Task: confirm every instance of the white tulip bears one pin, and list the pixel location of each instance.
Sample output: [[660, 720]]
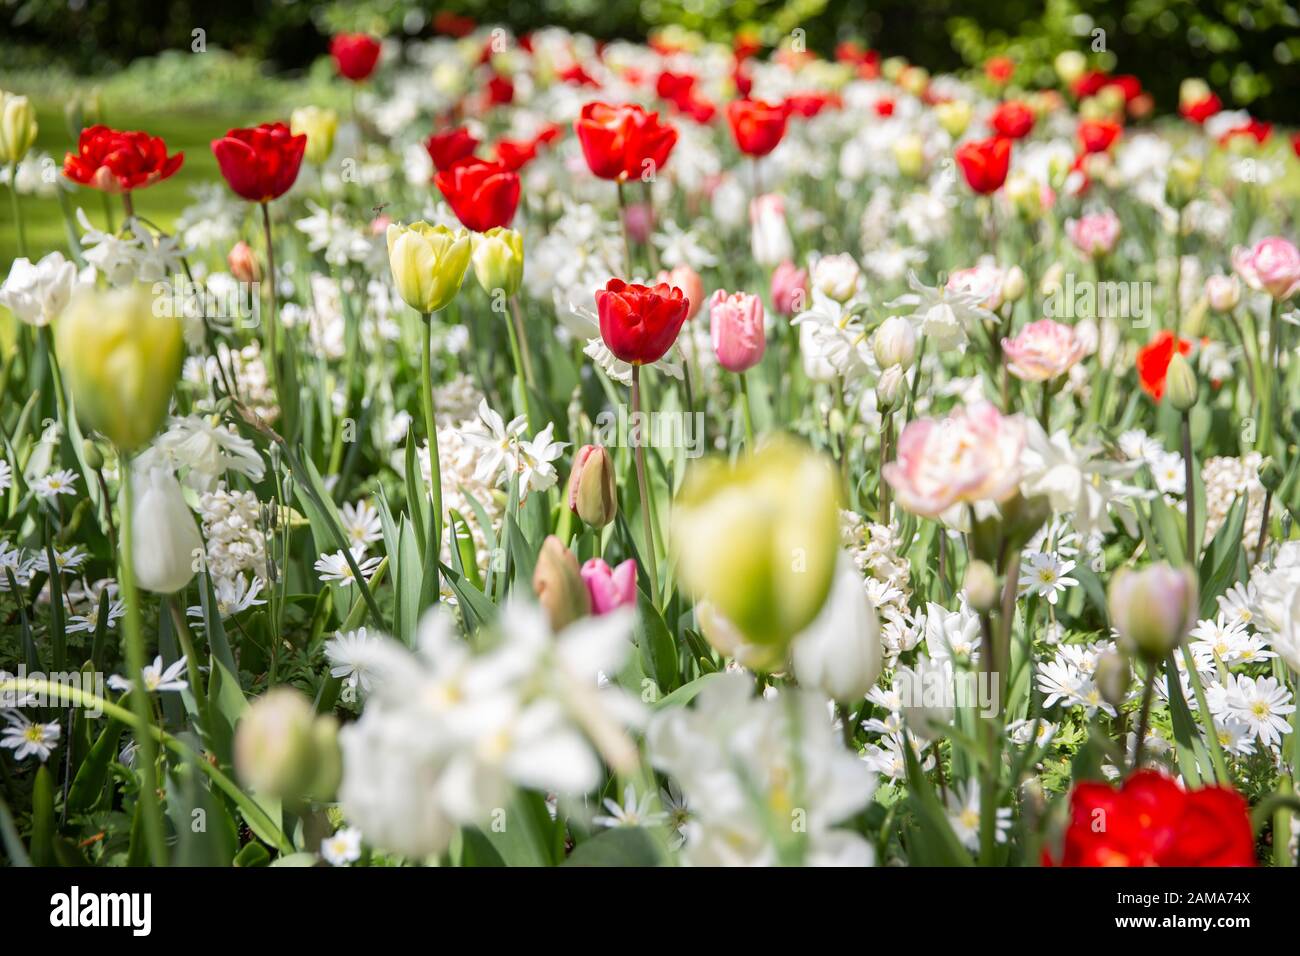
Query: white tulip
[[840, 653], [38, 292], [895, 343], [165, 538]]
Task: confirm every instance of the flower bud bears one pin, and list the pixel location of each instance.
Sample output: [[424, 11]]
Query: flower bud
[[954, 116], [121, 357], [1223, 292], [1153, 609], [1013, 285], [243, 263], [840, 653], [499, 260], [890, 389], [909, 154], [558, 584], [593, 494], [320, 125], [981, 584], [1112, 677], [689, 281], [91, 455], [1270, 474], [283, 749], [1180, 383], [610, 588], [759, 539], [428, 263], [165, 539], [837, 276], [1070, 65], [894, 343], [17, 127]]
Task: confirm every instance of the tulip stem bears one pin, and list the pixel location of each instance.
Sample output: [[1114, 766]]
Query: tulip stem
[[650, 249], [128, 207], [627, 242], [749, 417], [18, 209], [523, 365], [272, 345], [1189, 495], [1045, 409], [191, 661], [431, 431], [1144, 715], [146, 747], [643, 487], [886, 447]]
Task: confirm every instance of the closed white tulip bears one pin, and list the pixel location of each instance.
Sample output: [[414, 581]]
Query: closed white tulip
[[840, 653], [165, 538]]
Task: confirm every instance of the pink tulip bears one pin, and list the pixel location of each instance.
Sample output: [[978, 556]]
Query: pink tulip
[[972, 456], [1094, 234], [736, 323], [689, 281], [789, 288], [983, 282], [1273, 266], [610, 588], [1043, 350]]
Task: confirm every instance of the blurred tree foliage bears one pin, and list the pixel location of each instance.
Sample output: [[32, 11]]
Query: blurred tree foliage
[[1247, 49]]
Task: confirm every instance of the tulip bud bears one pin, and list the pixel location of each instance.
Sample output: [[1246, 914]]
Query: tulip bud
[[17, 127], [319, 125], [1183, 182], [1180, 383], [1153, 609], [610, 588], [894, 343], [1112, 677], [243, 263], [165, 538], [1070, 65], [1025, 194], [1270, 474], [1050, 284], [981, 584], [121, 357], [914, 79], [593, 494], [759, 539], [1192, 90], [909, 154], [892, 68], [91, 455], [1013, 284], [558, 584], [428, 263], [1222, 292], [283, 749], [837, 276], [840, 653], [954, 116], [890, 389], [499, 260]]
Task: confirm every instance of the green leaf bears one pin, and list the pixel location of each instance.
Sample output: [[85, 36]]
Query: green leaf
[[1222, 565], [937, 845], [621, 846], [686, 693], [658, 651], [88, 785], [42, 851]]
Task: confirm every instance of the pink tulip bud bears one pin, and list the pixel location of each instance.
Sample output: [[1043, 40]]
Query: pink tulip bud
[[689, 281], [243, 263], [789, 288], [610, 588], [736, 323], [1153, 609]]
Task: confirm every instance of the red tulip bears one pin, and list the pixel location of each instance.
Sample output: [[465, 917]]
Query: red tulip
[[984, 163], [355, 55], [483, 195], [757, 126], [500, 91], [447, 147], [261, 163], [1295, 145], [1198, 111], [1253, 128], [623, 142], [640, 323], [117, 161], [1097, 136], [999, 69], [1153, 362], [1151, 821], [1012, 119], [1090, 83]]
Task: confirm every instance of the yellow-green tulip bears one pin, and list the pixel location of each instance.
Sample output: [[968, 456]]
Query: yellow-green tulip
[[121, 354], [428, 263], [759, 540], [17, 127], [499, 260], [320, 125]]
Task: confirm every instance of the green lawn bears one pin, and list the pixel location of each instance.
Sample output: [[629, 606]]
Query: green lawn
[[187, 131]]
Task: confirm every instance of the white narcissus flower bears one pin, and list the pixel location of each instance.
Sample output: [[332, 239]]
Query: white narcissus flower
[[166, 545], [840, 653], [36, 293], [1077, 480]]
